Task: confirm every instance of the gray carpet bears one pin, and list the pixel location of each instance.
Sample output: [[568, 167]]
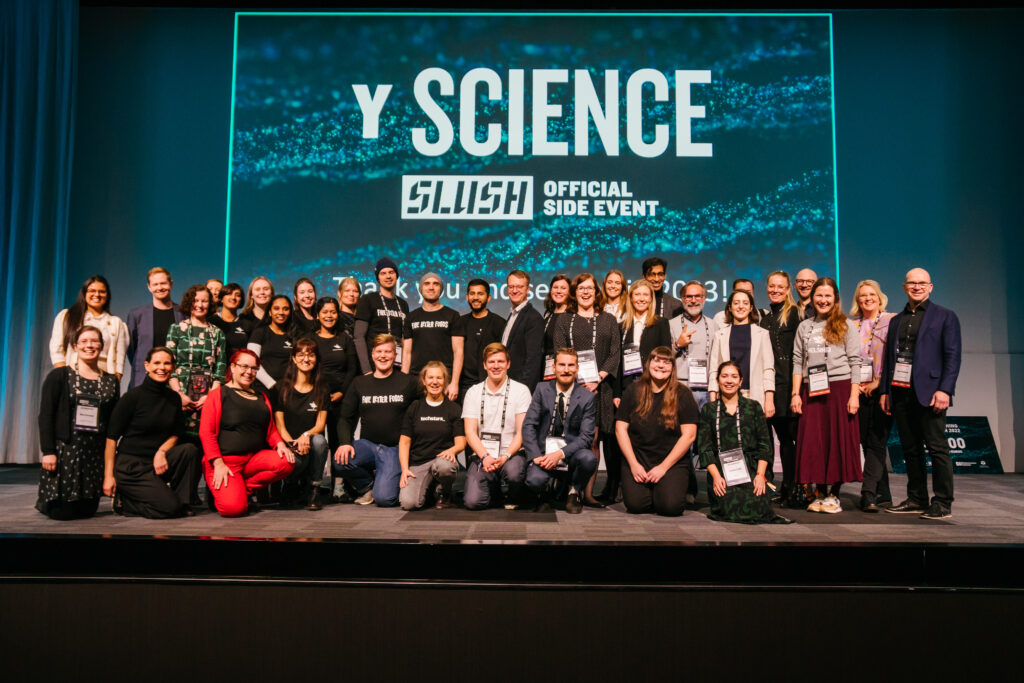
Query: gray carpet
[[988, 509]]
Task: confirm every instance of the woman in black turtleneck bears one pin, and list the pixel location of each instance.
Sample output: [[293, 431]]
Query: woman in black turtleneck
[[146, 471], [781, 319]]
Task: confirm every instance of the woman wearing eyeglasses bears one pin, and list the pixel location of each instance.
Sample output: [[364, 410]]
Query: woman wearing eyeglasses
[[242, 449], [74, 411], [656, 425]]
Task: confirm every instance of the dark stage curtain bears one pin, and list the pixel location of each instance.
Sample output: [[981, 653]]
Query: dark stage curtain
[[38, 58]]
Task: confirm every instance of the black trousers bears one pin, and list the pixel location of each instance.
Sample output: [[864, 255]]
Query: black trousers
[[785, 429], [875, 426], [144, 493], [920, 427], [612, 464], [667, 497]]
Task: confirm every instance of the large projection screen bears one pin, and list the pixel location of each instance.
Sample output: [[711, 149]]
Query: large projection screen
[[470, 144]]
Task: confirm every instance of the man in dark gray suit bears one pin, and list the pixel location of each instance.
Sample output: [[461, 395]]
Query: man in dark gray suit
[[558, 431]]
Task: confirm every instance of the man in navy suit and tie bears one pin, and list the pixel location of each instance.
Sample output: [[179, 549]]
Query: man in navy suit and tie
[[558, 431], [922, 361], [523, 335]]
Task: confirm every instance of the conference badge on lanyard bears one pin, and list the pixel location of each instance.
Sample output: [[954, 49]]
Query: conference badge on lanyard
[[817, 380], [398, 355], [549, 367], [588, 367], [552, 444], [87, 413], [734, 467], [867, 369], [697, 373], [492, 443], [631, 362], [901, 373]]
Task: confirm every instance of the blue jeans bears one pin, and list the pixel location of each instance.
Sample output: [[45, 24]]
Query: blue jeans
[[368, 459], [582, 465]]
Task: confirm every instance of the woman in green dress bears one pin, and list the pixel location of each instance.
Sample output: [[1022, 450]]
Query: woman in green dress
[[734, 444], [200, 355]]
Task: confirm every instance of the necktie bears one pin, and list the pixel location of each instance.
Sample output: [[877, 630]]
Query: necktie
[[559, 427]]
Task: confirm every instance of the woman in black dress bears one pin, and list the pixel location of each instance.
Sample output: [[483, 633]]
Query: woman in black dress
[[74, 412], [595, 336], [274, 342], [147, 472], [656, 425]]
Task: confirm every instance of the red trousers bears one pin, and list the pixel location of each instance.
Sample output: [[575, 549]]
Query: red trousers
[[251, 472]]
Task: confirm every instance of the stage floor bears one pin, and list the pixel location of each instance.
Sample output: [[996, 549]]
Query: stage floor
[[989, 509]]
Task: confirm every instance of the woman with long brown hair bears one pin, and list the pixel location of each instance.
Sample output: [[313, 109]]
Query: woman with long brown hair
[[656, 425], [826, 356], [91, 308]]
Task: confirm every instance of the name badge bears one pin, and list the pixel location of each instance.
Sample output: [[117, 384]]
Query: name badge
[[734, 467], [817, 380], [492, 443], [867, 369], [697, 373], [398, 355], [87, 413], [549, 367], [632, 364], [902, 372], [588, 367]]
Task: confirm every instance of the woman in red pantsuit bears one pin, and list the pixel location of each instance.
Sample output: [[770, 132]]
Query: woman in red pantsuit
[[242, 451]]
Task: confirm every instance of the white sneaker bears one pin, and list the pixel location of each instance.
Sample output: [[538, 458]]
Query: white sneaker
[[365, 499], [815, 505], [830, 505]]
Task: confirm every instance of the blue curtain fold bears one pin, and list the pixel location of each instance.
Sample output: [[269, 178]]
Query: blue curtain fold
[[38, 61]]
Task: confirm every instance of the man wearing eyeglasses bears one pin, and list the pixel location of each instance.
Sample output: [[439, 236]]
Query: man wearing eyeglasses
[[919, 372], [523, 335], [665, 305], [805, 280]]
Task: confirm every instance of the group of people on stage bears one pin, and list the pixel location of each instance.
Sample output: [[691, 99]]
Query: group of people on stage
[[249, 388]]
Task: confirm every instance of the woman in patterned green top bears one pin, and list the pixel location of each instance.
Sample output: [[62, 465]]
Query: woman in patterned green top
[[717, 434], [200, 351]]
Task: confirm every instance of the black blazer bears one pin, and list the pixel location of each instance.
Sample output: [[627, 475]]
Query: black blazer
[[526, 347]]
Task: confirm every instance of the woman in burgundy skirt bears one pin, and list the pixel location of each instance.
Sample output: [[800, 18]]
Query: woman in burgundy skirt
[[826, 356]]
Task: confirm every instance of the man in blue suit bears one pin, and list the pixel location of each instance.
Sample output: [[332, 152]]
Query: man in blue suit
[[558, 432], [922, 362], [148, 323]]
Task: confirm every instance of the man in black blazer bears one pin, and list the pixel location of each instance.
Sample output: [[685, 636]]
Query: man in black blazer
[[523, 335], [148, 323], [558, 431], [919, 372]]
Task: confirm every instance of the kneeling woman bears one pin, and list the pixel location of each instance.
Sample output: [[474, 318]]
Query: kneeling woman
[[74, 411], [432, 435], [300, 414], [242, 450], [655, 426], [734, 429], [148, 471]]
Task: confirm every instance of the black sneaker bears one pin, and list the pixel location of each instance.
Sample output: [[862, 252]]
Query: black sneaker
[[573, 504], [936, 511], [907, 507]]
